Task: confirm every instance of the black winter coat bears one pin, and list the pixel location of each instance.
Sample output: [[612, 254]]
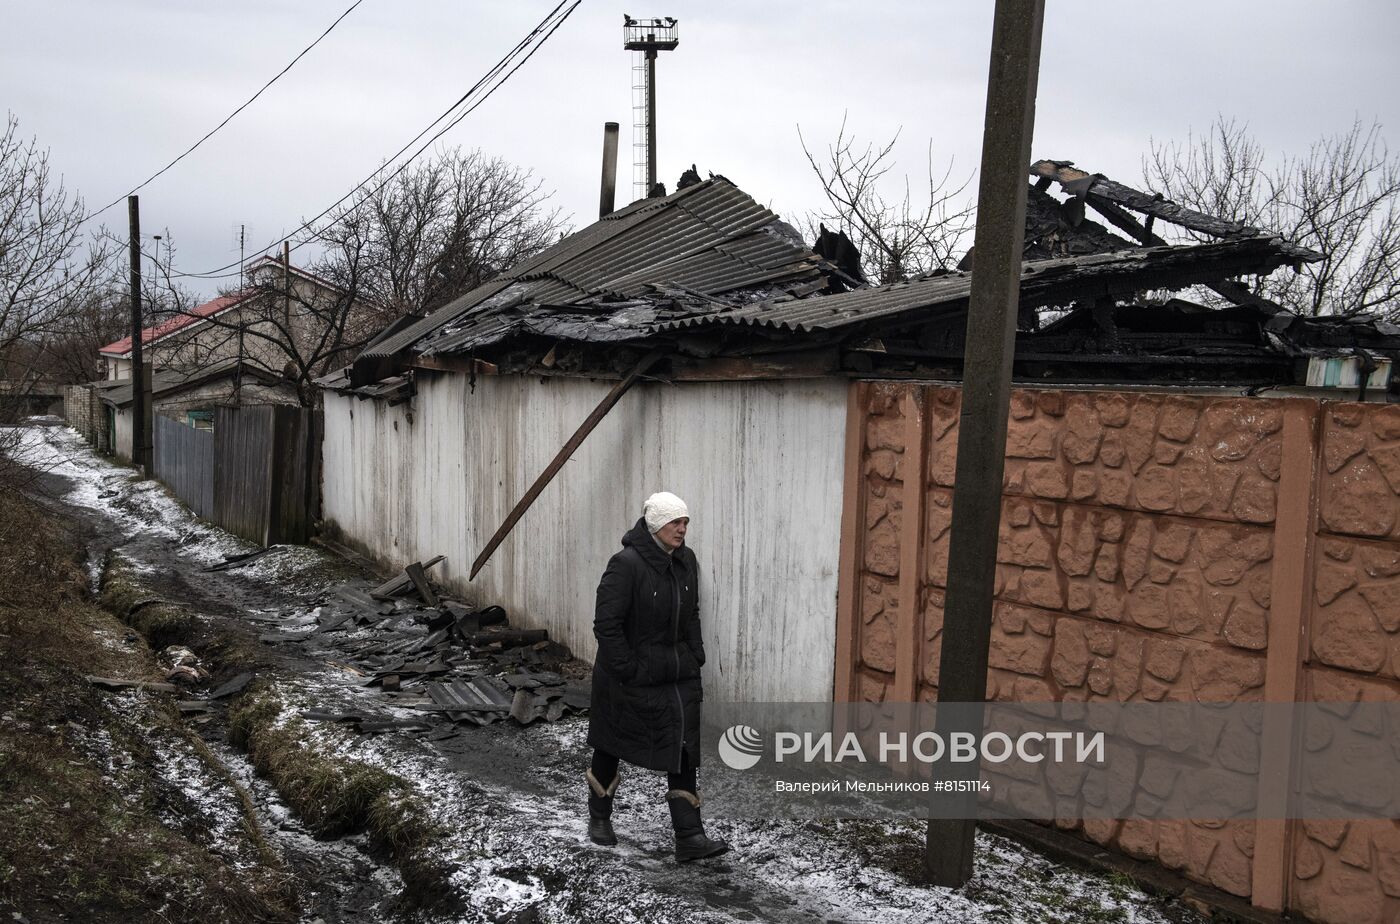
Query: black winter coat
[[646, 679]]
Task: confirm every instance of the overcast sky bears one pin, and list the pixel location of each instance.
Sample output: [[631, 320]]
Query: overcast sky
[[115, 90]]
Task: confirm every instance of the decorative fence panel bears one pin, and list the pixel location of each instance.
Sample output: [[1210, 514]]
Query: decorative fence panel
[[1154, 547]]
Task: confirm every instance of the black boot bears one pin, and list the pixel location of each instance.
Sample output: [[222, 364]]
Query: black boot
[[691, 841], [600, 806]]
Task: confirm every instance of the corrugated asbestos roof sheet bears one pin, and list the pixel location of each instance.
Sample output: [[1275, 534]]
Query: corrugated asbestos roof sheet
[[711, 238], [165, 381], [1041, 282]]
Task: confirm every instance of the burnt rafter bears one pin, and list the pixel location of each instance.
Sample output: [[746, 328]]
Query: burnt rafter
[[728, 291], [1110, 198], [1113, 200]]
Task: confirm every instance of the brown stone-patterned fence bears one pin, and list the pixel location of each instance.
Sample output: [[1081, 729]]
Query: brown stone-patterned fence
[[1154, 547]]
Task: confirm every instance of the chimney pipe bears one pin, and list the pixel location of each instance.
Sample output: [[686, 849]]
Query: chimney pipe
[[609, 192]]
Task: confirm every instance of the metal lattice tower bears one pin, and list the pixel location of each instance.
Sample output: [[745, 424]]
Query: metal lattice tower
[[645, 38]]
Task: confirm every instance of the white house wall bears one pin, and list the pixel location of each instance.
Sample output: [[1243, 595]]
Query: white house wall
[[759, 463]]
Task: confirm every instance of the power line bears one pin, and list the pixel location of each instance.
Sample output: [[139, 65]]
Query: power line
[[495, 77], [538, 31], [230, 116]]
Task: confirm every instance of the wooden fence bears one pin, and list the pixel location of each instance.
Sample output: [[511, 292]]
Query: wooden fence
[[256, 475]]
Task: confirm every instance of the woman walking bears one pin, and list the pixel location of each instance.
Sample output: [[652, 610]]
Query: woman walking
[[646, 678]]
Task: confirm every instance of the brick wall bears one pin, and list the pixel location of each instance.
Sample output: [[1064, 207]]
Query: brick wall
[[86, 414], [1150, 544]]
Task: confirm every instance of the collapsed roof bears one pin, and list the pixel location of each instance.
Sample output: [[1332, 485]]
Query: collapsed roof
[[707, 273]]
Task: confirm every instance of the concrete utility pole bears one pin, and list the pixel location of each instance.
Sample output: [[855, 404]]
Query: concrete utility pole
[[138, 384], [651, 120], [986, 394]]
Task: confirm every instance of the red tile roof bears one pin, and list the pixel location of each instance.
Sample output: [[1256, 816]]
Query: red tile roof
[[156, 331]]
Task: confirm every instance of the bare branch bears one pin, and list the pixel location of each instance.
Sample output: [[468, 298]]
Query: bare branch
[[1342, 199], [898, 238]]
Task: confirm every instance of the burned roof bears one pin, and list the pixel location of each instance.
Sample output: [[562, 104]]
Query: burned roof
[[709, 239], [1043, 282], [1113, 200], [709, 273]]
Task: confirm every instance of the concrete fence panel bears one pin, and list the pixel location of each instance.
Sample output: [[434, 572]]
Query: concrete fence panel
[[1153, 548]]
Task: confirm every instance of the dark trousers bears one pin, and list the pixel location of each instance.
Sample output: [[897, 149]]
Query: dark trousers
[[605, 771]]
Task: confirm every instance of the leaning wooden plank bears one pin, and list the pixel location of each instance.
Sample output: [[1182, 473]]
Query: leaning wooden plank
[[563, 455], [400, 582], [113, 683], [420, 583]]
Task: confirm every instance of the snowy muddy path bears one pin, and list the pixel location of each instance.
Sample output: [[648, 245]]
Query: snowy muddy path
[[511, 800]]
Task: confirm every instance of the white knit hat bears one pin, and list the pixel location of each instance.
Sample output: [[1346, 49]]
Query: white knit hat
[[661, 508]]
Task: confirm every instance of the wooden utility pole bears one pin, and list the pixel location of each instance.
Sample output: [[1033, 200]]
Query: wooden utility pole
[[986, 394], [138, 383]]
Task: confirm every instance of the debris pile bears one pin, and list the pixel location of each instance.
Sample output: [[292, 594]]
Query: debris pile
[[437, 655], [430, 655]]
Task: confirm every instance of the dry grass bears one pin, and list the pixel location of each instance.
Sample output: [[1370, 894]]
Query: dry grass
[[161, 622], [334, 795], [90, 831]]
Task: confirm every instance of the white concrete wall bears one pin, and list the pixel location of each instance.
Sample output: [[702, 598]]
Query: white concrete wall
[[759, 463]]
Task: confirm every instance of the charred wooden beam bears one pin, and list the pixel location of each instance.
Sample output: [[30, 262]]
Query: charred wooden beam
[[1096, 186], [808, 364], [1120, 218], [1102, 310], [453, 364]]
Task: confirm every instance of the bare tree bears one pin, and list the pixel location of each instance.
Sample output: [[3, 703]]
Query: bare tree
[[44, 257], [409, 244], [94, 310], [311, 328], [899, 236], [67, 349], [1342, 199], [289, 324], [436, 231]]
